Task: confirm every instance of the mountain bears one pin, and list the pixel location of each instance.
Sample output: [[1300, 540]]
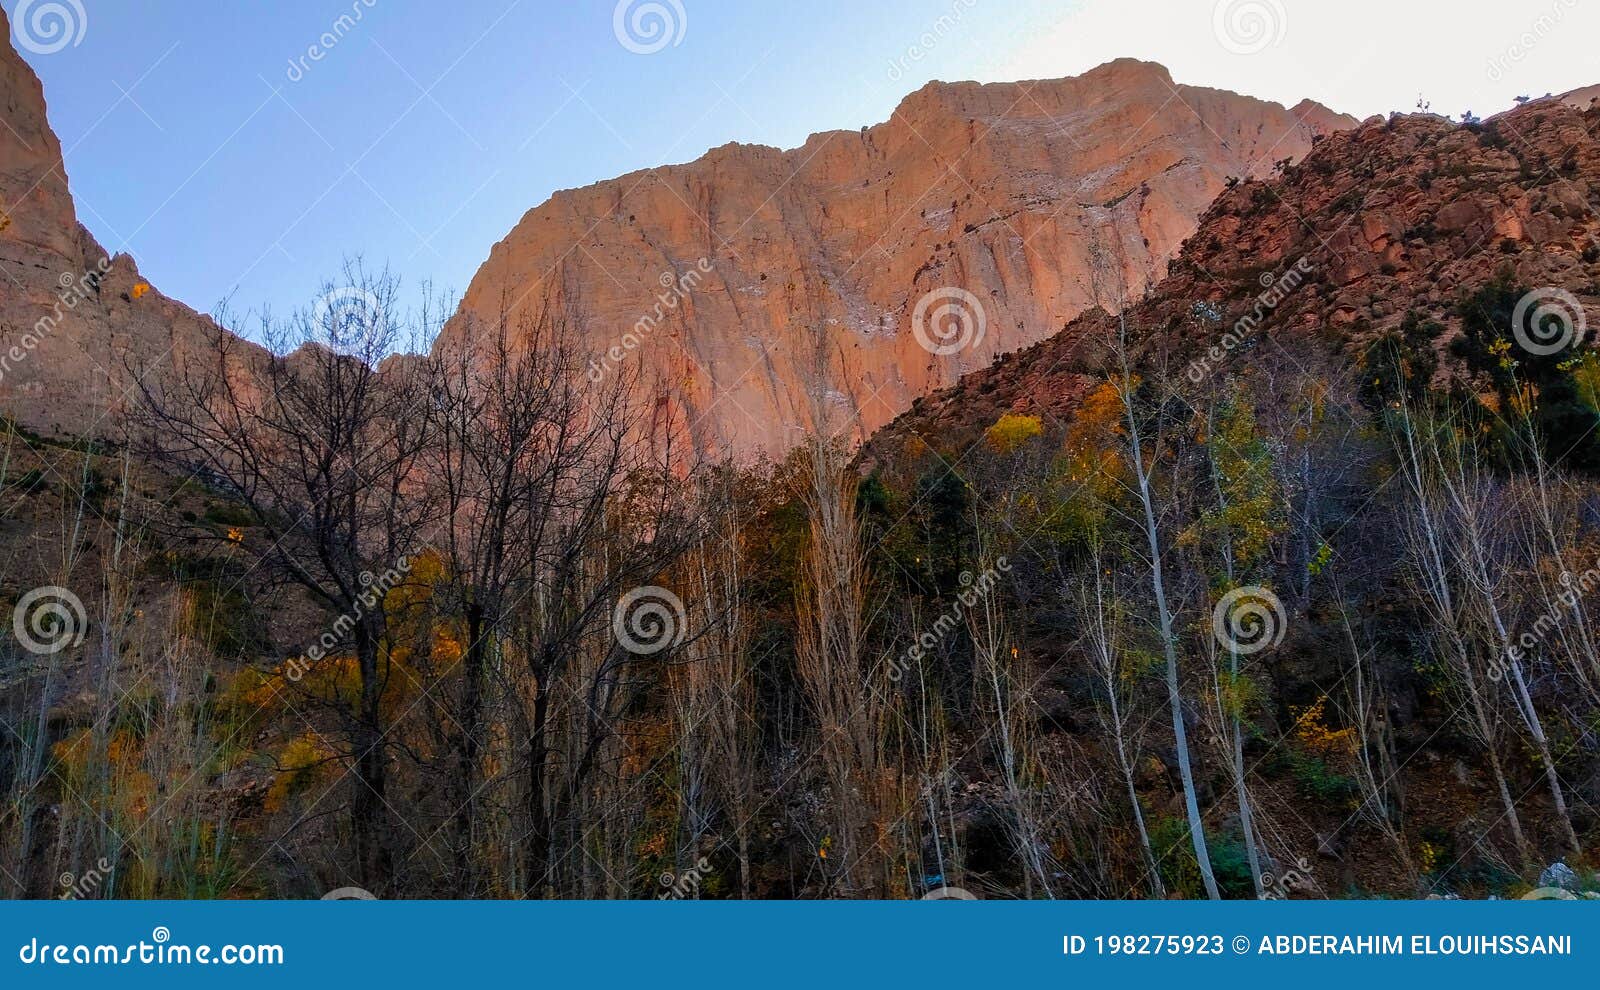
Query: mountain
[[74, 320], [709, 281], [1396, 221]]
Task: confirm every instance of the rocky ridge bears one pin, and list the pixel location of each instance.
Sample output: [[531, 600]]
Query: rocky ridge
[[1399, 217], [76, 322]]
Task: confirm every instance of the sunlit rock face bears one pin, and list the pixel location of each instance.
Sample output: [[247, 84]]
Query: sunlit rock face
[[1391, 223], [871, 267]]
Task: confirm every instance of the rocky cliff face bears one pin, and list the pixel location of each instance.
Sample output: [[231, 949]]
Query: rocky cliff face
[[1397, 219], [74, 321], [895, 258], [907, 254]]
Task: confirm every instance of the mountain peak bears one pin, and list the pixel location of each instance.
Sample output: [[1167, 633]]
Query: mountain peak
[[74, 318]]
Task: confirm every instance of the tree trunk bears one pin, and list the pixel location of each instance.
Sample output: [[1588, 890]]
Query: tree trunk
[[1511, 808], [1180, 736], [467, 758], [369, 807], [536, 863]]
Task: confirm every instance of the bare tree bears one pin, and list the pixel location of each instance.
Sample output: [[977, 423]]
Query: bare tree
[[1143, 455], [322, 449], [1103, 616], [843, 683], [1433, 577], [502, 402], [718, 728], [603, 513], [1485, 557]]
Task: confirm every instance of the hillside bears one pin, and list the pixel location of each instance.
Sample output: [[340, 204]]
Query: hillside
[[1396, 218]]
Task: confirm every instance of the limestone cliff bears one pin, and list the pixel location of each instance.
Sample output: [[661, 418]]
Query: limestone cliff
[[711, 281]]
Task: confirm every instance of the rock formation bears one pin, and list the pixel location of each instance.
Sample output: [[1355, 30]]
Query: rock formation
[[895, 258], [75, 322], [1400, 218], [716, 283]]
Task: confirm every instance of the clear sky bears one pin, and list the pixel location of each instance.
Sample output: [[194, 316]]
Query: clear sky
[[204, 138]]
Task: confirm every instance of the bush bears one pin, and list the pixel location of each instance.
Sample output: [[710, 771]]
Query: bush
[[225, 514], [1180, 871], [1316, 779]]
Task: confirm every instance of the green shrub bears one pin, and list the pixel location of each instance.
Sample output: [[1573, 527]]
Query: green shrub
[[1180, 870]]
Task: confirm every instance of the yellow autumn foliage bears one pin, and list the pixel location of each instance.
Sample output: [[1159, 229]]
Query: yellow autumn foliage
[[300, 763], [1012, 430], [1311, 731]]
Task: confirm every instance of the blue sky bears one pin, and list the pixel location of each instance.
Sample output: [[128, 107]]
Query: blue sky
[[424, 133]]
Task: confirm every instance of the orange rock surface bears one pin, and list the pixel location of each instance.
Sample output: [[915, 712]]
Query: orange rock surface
[[714, 282]]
